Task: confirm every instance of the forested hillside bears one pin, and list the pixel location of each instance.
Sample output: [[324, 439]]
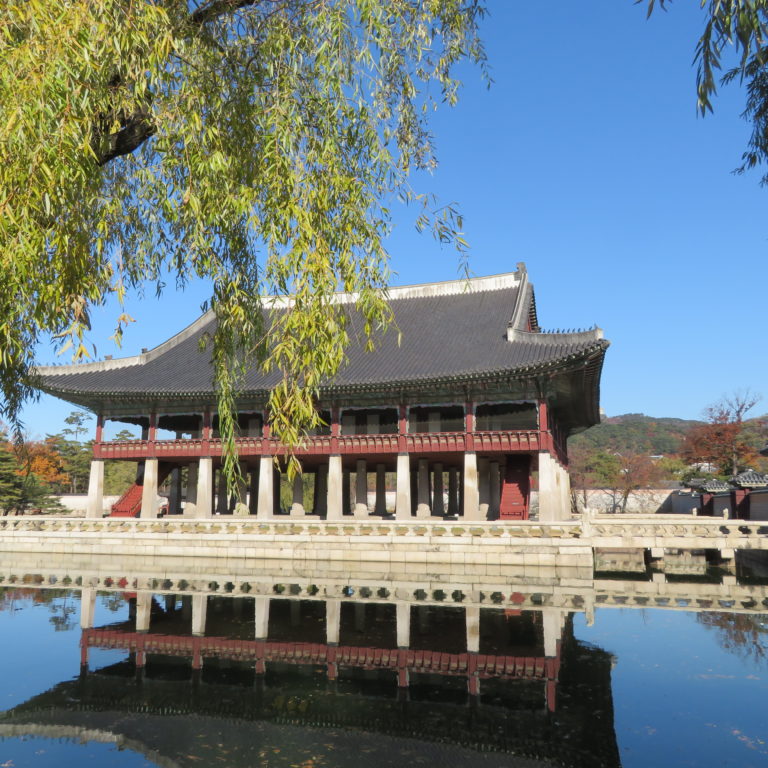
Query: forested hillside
[[634, 433]]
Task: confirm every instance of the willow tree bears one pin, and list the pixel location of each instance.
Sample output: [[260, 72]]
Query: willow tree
[[251, 143], [734, 47]]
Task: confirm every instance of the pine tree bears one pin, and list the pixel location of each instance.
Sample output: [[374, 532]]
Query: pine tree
[[11, 482]]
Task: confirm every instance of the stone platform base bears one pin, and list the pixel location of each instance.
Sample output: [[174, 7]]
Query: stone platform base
[[425, 542]]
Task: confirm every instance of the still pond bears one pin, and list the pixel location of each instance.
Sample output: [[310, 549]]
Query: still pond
[[640, 685]]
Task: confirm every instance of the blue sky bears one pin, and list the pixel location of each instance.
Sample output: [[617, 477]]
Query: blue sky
[[586, 159]]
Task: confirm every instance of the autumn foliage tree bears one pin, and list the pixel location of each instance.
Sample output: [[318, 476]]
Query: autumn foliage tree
[[620, 474], [724, 440]]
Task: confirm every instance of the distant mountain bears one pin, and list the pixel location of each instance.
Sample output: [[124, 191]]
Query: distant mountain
[[635, 433]]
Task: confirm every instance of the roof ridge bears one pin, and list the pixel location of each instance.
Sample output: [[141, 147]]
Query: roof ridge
[[550, 338], [127, 362]]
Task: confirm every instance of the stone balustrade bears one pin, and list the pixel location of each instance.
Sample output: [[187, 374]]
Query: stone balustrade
[[528, 543], [476, 587]]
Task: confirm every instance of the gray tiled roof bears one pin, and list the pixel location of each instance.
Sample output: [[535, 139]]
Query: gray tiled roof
[[445, 334], [750, 478]]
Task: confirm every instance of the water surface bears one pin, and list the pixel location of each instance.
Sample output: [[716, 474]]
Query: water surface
[[495, 685]]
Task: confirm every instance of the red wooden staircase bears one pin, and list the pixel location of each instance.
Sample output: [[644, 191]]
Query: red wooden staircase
[[515, 489], [129, 504]]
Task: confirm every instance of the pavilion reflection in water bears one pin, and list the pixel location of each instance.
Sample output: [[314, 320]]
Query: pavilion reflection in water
[[464, 684]]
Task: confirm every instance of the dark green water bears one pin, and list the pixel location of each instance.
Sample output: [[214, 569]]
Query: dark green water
[[646, 686]]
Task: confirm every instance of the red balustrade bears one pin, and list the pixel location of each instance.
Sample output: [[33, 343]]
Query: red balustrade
[[460, 664], [511, 441]]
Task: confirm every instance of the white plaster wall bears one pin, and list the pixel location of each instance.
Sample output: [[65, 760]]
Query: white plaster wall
[[76, 504], [643, 501]]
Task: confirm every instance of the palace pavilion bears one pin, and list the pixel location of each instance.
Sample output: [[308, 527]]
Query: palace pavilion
[[458, 413]]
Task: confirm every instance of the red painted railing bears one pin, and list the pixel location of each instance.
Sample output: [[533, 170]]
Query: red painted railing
[[420, 442], [459, 664]]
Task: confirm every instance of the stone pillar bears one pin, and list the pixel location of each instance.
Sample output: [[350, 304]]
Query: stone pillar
[[453, 492], [565, 492], [143, 611], [190, 504], [403, 499], [332, 621], [472, 618], [438, 502], [95, 506], [551, 482], [204, 487], [297, 507], [149, 490], [87, 607], [320, 507], [471, 507], [346, 491], [494, 495], [253, 490], [423, 510], [266, 504], [361, 488], [552, 626], [199, 613], [483, 487], [261, 626], [174, 498], [380, 507], [277, 479], [241, 505], [403, 616], [335, 494], [222, 497]]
